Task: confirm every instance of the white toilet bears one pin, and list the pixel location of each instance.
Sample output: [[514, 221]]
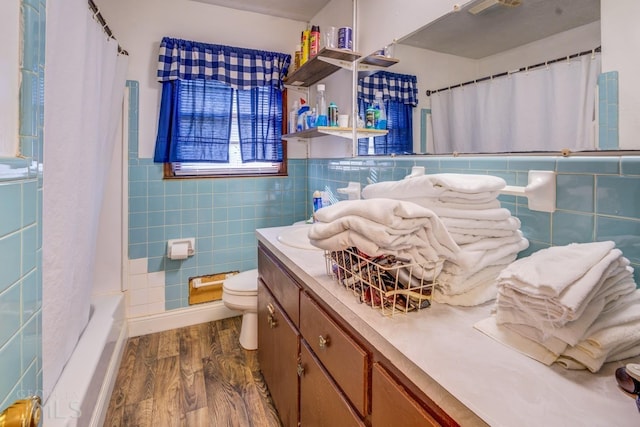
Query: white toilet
[[240, 292]]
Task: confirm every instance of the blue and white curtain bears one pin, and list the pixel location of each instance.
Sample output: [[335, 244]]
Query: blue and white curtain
[[400, 96], [198, 83]]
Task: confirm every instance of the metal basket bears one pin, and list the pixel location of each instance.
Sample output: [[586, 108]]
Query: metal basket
[[388, 283]]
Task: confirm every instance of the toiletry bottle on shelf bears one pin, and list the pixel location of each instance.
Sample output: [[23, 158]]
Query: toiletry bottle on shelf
[[321, 108], [304, 41], [380, 112], [333, 114], [297, 56], [293, 118], [314, 41], [370, 118], [317, 203]]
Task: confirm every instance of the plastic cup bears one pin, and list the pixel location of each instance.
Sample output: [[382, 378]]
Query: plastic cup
[[331, 38]]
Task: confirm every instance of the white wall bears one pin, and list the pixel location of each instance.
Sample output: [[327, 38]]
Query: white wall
[[10, 72], [140, 25], [620, 47]]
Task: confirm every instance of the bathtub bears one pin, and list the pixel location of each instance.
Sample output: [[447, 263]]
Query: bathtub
[[81, 395]]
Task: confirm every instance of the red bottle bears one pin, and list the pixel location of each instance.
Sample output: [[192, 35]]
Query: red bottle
[[314, 41]]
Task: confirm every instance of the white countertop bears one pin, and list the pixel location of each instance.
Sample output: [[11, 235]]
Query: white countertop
[[474, 378]]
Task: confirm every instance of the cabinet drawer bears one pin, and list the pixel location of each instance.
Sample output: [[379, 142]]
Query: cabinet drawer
[[392, 406], [343, 358], [321, 402], [278, 348], [283, 288]]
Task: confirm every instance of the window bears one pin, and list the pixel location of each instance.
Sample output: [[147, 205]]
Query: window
[[221, 110], [400, 94], [206, 122]]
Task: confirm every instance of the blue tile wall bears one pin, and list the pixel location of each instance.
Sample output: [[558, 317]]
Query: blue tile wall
[[222, 215], [608, 110], [597, 197], [21, 225]]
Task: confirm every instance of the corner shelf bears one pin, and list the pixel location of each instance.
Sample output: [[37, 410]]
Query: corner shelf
[[378, 61], [335, 131]]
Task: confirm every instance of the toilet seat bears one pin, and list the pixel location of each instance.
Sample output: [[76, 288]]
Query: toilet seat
[[245, 283]]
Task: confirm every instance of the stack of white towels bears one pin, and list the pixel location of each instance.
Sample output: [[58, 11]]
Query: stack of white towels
[[489, 237], [575, 305], [385, 227]]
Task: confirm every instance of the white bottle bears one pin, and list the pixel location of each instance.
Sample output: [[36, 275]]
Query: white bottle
[[293, 118]]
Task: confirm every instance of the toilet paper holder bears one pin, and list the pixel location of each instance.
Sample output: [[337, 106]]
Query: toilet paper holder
[[190, 242]]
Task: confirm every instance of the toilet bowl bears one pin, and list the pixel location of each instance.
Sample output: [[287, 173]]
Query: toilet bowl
[[240, 292]]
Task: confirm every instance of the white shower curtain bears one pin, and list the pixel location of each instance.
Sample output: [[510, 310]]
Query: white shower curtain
[[83, 92], [545, 109]]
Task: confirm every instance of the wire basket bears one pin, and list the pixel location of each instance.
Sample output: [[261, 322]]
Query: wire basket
[[388, 283]]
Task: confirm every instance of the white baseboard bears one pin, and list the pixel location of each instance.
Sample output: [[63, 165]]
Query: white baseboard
[[179, 318]]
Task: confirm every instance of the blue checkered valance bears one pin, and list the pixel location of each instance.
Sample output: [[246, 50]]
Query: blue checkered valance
[[240, 68], [401, 88]]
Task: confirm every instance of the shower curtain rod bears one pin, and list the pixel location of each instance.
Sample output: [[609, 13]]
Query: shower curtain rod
[[97, 15], [506, 73]]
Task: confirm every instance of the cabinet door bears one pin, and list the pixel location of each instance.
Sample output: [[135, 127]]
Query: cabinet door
[[278, 348], [321, 402], [392, 406], [282, 287], [344, 359]]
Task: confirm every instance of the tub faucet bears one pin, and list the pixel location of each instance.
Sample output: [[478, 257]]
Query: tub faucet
[[23, 413]]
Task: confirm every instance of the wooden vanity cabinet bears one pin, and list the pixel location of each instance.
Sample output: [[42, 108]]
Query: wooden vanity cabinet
[[319, 371], [345, 360], [321, 402], [392, 405], [279, 346]]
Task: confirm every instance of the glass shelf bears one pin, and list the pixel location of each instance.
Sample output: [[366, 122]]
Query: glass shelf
[[335, 131]]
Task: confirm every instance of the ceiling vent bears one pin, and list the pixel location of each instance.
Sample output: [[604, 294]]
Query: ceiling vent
[[483, 5]]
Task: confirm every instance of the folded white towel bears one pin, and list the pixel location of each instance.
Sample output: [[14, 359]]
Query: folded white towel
[[592, 364], [453, 284], [623, 351], [493, 242], [552, 312], [466, 205], [479, 294], [553, 344], [548, 272], [510, 224], [386, 227], [570, 334], [468, 261], [628, 312], [435, 185], [495, 214], [515, 341]]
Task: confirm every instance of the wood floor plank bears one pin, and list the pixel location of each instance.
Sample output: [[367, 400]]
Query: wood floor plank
[[167, 400], [123, 380], [139, 414], [199, 418], [169, 345], [143, 383], [196, 376], [191, 369]]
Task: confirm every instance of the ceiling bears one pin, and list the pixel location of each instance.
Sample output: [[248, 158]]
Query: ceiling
[[499, 28], [299, 10], [496, 29]]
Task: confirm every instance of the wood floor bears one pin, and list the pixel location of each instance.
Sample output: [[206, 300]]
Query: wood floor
[[194, 376]]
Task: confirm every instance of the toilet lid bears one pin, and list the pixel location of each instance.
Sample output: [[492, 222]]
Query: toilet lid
[[247, 281]]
